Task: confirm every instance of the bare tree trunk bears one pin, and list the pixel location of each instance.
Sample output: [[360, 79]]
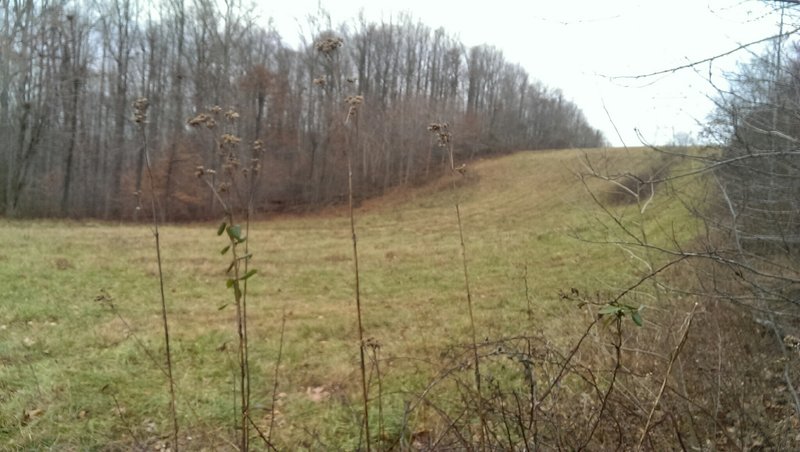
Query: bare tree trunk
[[73, 134], [176, 135], [6, 129], [72, 66], [122, 56]]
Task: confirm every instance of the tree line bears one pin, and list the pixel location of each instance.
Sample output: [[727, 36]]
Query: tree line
[[759, 166], [71, 70], [756, 176]]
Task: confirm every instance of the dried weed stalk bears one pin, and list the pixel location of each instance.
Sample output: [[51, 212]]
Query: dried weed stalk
[[444, 140], [140, 107], [354, 102], [327, 46]]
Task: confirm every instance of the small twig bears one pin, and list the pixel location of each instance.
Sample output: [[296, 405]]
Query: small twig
[[527, 291], [728, 161], [613, 124], [261, 434], [709, 59], [786, 377], [504, 418], [451, 425], [720, 428], [521, 421], [677, 432], [107, 299], [650, 198], [617, 366], [672, 359], [275, 379], [566, 362], [375, 358], [122, 416]]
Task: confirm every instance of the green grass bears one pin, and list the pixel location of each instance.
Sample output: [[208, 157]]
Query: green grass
[[74, 376]]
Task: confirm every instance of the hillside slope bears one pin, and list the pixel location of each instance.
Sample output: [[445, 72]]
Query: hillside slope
[[80, 304]]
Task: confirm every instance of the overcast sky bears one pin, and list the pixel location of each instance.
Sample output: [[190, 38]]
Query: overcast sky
[[581, 45]]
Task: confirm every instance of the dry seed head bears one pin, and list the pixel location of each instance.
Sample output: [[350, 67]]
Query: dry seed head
[[141, 104], [202, 119], [231, 115], [328, 45], [372, 343], [223, 187], [319, 81], [199, 171], [216, 109], [442, 134], [197, 120], [140, 110], [230, 139], [354, 101]]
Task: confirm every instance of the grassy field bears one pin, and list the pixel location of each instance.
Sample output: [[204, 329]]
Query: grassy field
[[75, 372]]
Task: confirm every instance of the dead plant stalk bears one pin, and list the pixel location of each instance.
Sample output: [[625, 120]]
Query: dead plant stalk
[[445, 140], [352, 112], [275, 381], [672, 359], [140, 118]]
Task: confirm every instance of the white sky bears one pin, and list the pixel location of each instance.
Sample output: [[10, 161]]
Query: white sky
[[575, 45]]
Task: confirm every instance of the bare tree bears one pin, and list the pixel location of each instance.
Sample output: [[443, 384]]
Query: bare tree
[[74, 65], [74, 68]]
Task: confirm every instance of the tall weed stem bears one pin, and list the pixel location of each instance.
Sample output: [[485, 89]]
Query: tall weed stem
[[140, 118], [354, 102]]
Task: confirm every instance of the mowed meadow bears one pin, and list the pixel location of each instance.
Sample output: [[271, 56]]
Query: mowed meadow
[[81, 343]]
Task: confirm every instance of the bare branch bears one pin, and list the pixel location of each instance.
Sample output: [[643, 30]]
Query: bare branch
[[706, 60]]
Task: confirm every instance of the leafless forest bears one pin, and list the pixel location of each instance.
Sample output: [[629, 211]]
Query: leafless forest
[[70, 71]]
